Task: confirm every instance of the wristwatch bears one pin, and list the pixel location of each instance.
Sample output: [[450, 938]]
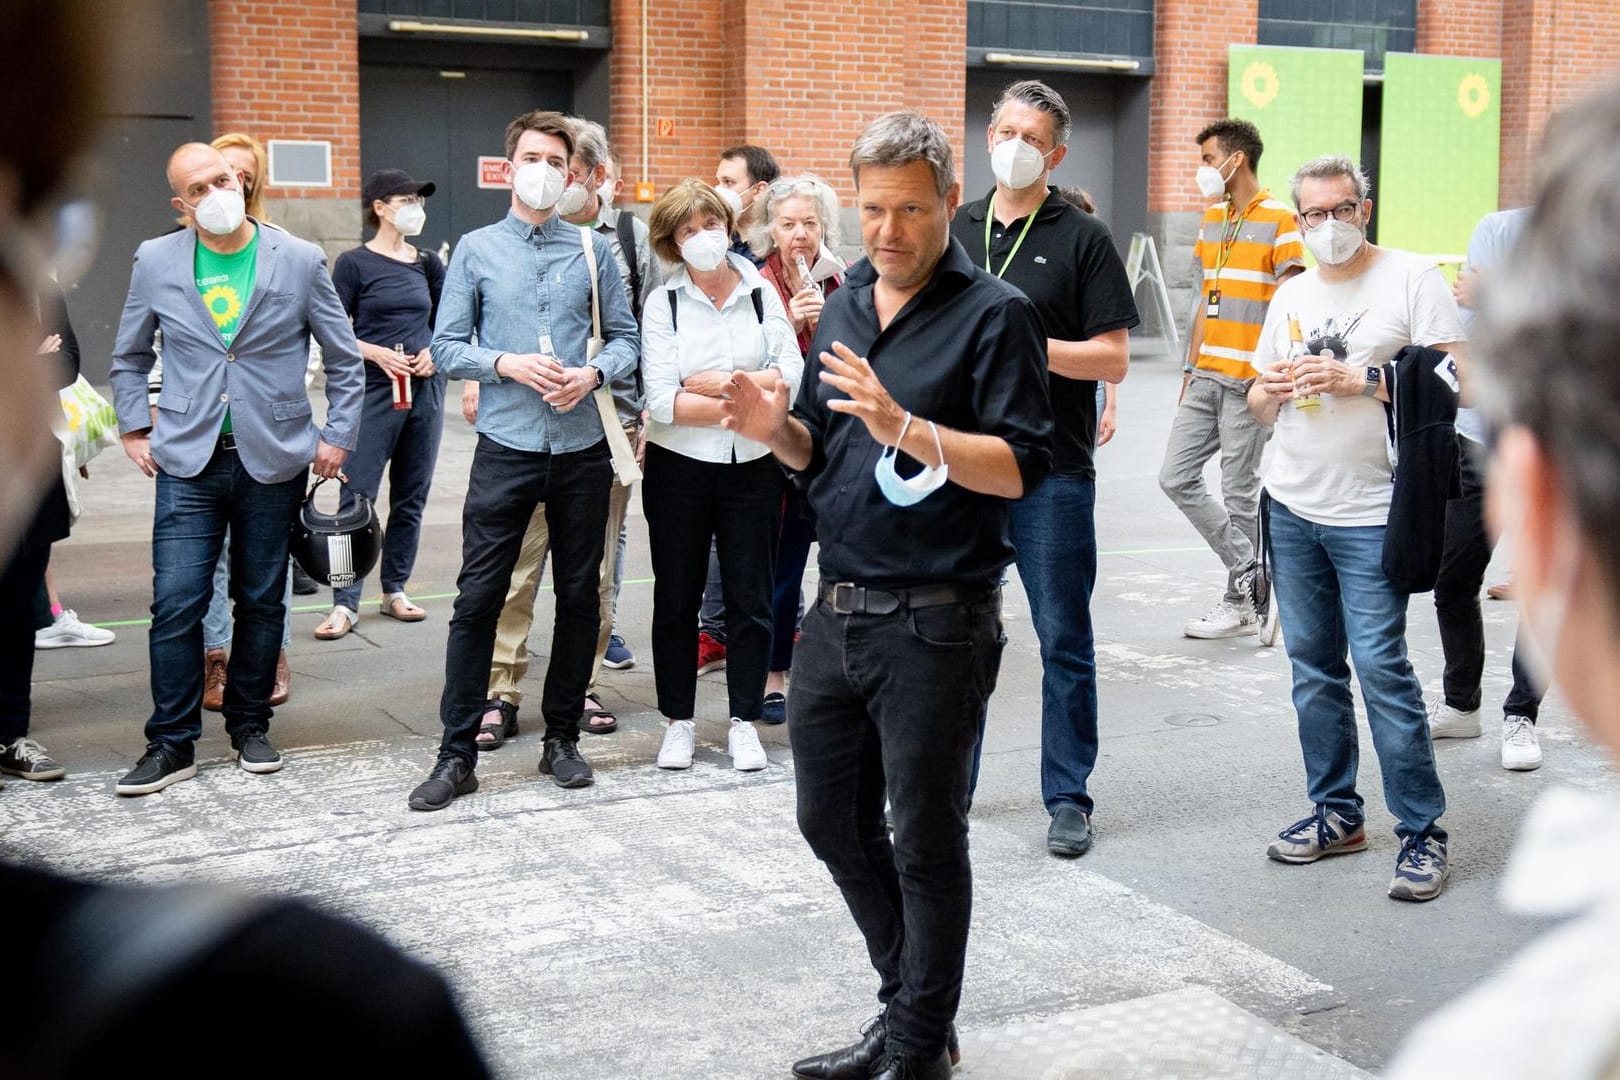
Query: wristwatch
[[601, 377], [1375, 377]]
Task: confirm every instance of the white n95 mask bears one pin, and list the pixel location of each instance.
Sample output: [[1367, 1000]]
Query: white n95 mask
[[913, 490], [539, 184]]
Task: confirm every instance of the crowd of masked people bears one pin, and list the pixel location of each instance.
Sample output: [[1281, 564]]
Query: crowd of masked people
[[934, 410]]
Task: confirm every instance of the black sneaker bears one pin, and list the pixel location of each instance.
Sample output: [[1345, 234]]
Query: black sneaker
[[451, 776], [561, 761], [254, 753], [158, 768], [27, 759]]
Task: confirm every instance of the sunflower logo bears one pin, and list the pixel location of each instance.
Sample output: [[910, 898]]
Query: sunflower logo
[[1473, 95], [223, 304], [74, 414], [1259, 84]]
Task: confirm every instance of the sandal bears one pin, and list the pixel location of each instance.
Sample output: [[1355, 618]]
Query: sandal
[[491, 735], [337, 624], [397, 605], [597, 720]]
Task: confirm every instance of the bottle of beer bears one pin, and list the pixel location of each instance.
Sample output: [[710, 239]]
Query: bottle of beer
[[1296, 353]]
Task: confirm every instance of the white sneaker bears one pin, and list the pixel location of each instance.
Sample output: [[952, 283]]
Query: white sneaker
[[743, 742], [1521, 748], [1448, 723], [68, 632], [1224, 620], [676, 753]]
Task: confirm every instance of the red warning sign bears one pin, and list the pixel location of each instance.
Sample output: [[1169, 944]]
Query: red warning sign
[[666, 128], [492, 172]]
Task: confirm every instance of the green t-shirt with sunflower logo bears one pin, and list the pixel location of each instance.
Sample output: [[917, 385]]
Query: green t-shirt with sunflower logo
[[226, 283]]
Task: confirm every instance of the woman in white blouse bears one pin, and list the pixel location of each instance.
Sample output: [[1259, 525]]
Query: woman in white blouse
[[715, 320]]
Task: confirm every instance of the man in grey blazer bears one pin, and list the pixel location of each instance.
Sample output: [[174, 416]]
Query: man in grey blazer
[[230, 446]]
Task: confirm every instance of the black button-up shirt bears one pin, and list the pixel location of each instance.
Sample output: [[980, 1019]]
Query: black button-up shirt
[[1068, 266], [967, 352]]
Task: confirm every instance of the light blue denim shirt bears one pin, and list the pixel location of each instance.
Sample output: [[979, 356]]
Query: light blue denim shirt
[[512, 283]]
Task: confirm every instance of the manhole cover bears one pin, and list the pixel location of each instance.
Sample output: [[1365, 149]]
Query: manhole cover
[[1196, 719]]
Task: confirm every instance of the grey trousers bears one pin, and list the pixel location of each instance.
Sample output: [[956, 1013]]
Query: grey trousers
[[1215, 418]]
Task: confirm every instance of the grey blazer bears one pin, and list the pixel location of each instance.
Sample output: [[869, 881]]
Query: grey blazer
[[261, 376]]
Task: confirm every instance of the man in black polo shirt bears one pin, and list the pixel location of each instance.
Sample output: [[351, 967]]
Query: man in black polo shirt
[[1064, 260], [921, 351]]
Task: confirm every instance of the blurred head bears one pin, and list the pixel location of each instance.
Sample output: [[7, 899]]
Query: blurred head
[[689, 207], [798, 214], [1548, 372], [906, 192], [1079, 198], [248, 158]]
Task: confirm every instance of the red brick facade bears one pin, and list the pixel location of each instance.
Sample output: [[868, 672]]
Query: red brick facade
[[799, 79], [290, 71]]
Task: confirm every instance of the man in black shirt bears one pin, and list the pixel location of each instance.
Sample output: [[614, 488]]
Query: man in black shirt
[[922, 352], [1064, 260]]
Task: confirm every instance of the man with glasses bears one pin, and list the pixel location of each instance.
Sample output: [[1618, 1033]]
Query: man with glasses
[[1248, 244], [230, 446], [1320, 356], [1028, 235]]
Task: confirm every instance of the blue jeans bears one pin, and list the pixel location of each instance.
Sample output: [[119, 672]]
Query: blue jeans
[[1334, 600], [188, 533], [217, 622], [890, 705], [405, 443], [1054, 533]]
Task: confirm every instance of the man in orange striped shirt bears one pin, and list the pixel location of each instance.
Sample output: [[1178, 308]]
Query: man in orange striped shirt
[[1248, 244]]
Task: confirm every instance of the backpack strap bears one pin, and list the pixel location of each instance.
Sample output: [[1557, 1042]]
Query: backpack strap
[[627, 243], [674, 308], [759, 305]]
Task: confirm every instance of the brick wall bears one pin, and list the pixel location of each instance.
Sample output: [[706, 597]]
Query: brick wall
[[290, 71], [800, 79], [1459, 27], [1189, 89]]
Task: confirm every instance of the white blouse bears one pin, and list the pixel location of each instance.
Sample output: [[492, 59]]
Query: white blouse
[[730, 338]]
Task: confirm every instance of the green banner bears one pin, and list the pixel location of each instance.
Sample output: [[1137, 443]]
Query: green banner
[[1306, 103], [1439, 155]]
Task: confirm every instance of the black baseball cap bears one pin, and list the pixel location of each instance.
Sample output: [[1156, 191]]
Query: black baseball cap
[[394, 182]]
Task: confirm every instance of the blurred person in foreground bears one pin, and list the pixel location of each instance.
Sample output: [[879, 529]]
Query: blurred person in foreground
[[1548, 379]]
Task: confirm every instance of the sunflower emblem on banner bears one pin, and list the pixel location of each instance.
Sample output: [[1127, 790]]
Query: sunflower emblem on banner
[[1259, 84], [223, 304], [1473, 95]]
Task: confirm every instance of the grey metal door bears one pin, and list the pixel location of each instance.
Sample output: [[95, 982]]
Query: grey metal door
[[435, 123]]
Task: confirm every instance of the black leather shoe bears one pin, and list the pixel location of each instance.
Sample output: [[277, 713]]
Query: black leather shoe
[[855, 1062], [912, 1067], [450, 777], [1070, 832]]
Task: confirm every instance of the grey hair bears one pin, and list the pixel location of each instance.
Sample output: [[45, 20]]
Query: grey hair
[[897, 139], [590, 141], [824, 198], [1549, 330], [1036, 95], [1326, 167]]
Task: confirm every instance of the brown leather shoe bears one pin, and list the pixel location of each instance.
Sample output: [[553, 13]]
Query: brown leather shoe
[[214, 680], [283, 688], [1501, 590]]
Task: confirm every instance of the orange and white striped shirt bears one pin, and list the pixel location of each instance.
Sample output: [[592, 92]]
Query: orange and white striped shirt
[[1244, 258]]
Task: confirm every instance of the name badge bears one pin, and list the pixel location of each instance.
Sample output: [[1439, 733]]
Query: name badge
[[1212, 309]]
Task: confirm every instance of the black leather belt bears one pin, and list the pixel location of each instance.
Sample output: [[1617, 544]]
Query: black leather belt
[[847, 598], [227, 440]]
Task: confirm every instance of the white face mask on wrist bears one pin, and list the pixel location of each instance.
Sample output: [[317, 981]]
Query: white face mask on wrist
[[910, 491]]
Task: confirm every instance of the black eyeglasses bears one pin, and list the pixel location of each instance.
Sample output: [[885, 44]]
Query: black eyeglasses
[[1345, 212]]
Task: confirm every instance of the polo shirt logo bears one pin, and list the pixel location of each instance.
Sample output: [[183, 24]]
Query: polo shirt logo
[[1041, 259]]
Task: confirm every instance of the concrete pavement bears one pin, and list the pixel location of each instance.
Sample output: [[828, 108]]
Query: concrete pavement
[[675, 925]]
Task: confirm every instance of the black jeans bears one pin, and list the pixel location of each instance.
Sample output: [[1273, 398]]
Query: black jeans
[[1463, 561], [22, 581], [687, 503], [792, 553], [503, 487], [890, 704]]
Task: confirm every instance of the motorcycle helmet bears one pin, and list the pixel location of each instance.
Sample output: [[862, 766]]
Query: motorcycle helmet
[[337, 549]]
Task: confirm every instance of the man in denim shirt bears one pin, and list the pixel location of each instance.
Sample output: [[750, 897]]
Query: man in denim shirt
[[523, 287]]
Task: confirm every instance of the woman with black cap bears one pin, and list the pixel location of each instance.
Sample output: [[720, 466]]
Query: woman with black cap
[[391, 290]]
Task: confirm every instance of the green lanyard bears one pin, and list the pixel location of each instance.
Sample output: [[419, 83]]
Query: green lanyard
[[989, 217], [1229, 241]]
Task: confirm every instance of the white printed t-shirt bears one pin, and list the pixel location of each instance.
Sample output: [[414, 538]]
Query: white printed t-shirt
[[1330, 465]]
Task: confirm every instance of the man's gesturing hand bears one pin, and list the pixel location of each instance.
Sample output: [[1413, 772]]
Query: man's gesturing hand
[[868, 400], [753, 412]]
